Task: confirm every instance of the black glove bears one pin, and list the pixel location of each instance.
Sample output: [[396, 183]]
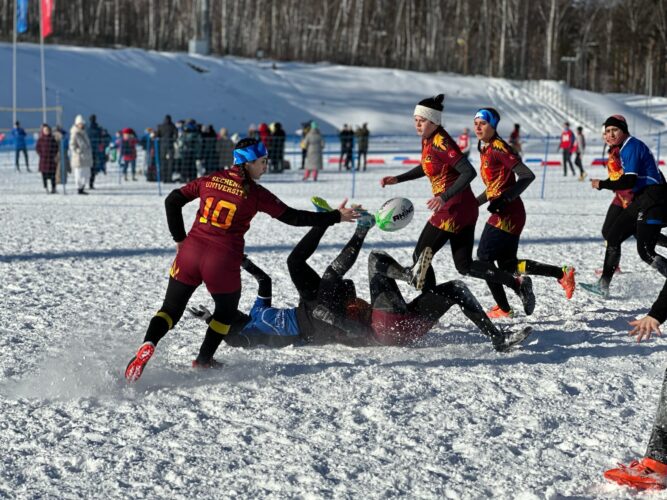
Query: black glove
[[201, 312], [497, 205]]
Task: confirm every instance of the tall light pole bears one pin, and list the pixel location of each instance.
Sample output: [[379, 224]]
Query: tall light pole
[[569, 60], [201, 42]]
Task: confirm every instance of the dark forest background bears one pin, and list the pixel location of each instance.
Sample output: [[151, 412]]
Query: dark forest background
[[612, 46]]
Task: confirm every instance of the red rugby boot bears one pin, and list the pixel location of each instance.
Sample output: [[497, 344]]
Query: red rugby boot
[[647, 474], [136, 365]]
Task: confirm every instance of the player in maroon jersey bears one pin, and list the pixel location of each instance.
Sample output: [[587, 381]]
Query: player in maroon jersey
[[213, 249], [453, 204], [506, 177]]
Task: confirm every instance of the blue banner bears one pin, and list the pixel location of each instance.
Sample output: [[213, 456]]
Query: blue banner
[[22, 16]]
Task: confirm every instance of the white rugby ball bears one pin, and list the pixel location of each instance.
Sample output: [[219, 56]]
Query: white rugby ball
[[394, 214]]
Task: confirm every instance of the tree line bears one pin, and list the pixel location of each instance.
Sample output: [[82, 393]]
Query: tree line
[[607, 45]]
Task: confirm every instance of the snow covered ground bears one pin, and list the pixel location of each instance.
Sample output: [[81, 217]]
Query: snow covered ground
[[447, 418]]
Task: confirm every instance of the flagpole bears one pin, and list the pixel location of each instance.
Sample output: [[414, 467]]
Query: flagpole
[[41, 53], [16, 22]]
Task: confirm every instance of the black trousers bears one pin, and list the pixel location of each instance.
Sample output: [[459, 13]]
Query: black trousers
[[567, 160], [430, 305], [175, 301], [331, 289], [461, 244], [500, 248], [619, 224], [579, 163], [49, 176]]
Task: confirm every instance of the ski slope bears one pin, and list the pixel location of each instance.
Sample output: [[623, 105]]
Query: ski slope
[[136, 88], [447, 418]]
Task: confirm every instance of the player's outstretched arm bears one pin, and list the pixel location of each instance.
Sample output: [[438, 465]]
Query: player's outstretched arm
[[294, 217], [643, 328]]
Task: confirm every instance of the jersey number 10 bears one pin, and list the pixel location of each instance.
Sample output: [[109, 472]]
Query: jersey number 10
[[215, 218]]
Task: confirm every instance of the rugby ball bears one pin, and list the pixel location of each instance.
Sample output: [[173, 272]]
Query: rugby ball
[[394, 214]]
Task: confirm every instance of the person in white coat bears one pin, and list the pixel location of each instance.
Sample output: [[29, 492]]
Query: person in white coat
[[80, 153], [314, 148]]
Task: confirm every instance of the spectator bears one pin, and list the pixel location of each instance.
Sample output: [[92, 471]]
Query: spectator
[[191, 151], [148, 144], [252, 132], [314, 147], [62, 159], [305, 128], [579, 150], [94, 132], [566, 144], [167, 133], [362, 144], [209, 151], [178, 147], [81, 153], [112, 148], [264, 134], [515, 139], [463, 142], [128, 152], [277, 149], [47, 149], [346, 145], [19, 136], [225, 150], [104, 144]]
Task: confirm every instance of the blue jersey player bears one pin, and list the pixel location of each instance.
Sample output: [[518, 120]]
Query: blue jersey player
[[645, 215]]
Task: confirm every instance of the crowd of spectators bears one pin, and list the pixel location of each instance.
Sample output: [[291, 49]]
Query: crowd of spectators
[[174, 151]]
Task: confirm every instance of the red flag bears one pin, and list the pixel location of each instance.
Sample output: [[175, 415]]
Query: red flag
[[47, 11]]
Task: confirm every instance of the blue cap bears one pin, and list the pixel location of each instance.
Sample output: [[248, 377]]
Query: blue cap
[[249, 153], [490, 118]]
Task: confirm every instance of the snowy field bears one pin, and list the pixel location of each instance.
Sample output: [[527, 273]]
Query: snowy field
[[447, 418]]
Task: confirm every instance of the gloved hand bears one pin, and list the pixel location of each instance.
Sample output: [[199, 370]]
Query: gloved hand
[[201, 312], [497, 205]]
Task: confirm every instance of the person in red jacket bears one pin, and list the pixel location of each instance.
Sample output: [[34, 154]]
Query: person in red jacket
[[47, 149], [463, 142], [127, 145], [567, 142], [212, 251]]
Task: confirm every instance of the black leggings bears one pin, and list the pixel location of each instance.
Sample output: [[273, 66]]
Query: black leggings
[[461, 244], [46, 176], [331, 289], [579, 164], [567, 160], [305, 278], [498, 247], [430, 305], [174, 304], [619, 224]]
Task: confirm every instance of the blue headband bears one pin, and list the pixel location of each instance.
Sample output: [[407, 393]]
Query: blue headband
[[249, 153], [486, 115]]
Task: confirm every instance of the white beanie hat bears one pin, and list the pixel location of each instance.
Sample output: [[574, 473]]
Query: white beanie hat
[[79, 120], [431, 108]]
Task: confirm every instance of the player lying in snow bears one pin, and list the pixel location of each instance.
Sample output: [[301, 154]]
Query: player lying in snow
[[329, 310]]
